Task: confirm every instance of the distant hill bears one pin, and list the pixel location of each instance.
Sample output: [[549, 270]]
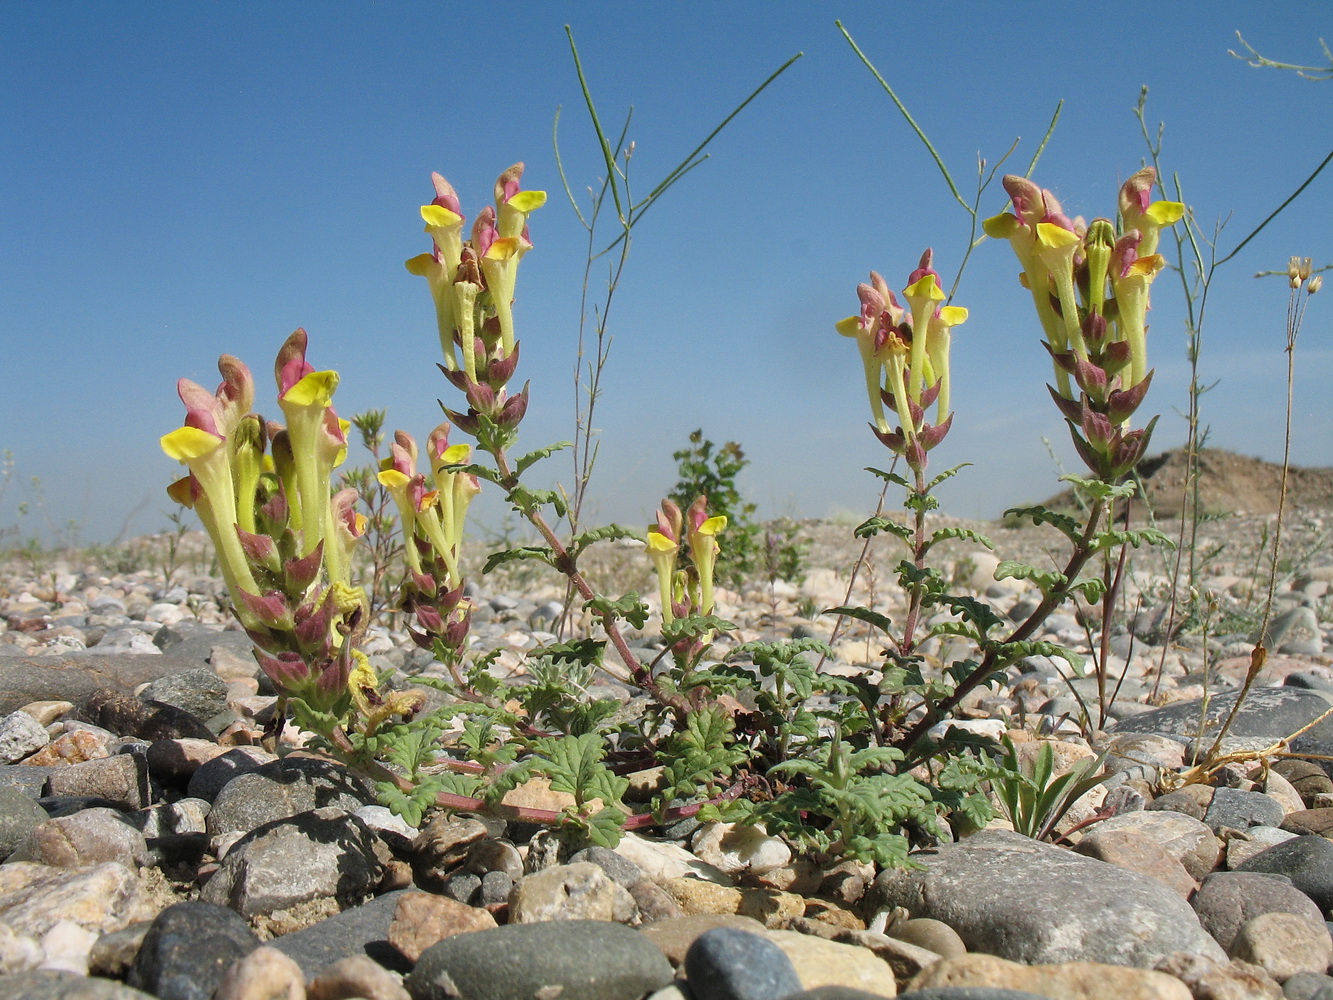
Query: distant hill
[[1228, 483]]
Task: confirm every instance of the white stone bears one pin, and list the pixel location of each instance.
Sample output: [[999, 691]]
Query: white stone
[[736, 849], [66, 946], [659, 860], [21, 736]]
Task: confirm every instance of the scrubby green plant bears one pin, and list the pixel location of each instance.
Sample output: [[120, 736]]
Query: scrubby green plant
[[844, 767]]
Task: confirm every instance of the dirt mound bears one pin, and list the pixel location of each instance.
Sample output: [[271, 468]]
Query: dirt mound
[[1228, 484]]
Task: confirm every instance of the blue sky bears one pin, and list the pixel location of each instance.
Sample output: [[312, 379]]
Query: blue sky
[[186, 180]]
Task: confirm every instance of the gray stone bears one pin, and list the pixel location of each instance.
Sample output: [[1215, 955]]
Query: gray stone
[[1228, 900], [21, 736], [188, 950], [19, 814], [121, 778], [1307, 861], [30, 779], [65, 986], [362, 930], [621, 869], [76, 677], [1030, 902], [1237, 809], [730, 964], [587, 959], [87, 837], [211, 777], [282, 789], [1308, 986], [322, 854], [1294, 631], [939, 993], [496, 888], [1274, 712], [199, 691]]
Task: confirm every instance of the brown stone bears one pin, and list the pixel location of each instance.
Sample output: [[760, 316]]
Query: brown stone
[[828, 912], [1068, 980], [1307, 777], [674, 935], [906, 960], [773, 909], [1136, 852], [359, 976], [828, 963], [70, 748], [1307, 821], [421, 919]]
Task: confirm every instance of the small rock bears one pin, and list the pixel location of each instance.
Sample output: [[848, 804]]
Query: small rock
[[87, 837], [774, 909], [735, 848], [1227, 901], [829, 963], [421, 919], [1307, 861], [21, 736], [188, 950], [358, 976], [1284, 944], [1236, 809], [1068, 981], [934, 935], [580, 891], [730, 964], [575, 958], [263, 974]]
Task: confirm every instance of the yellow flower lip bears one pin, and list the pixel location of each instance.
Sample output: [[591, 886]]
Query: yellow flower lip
[[392, 479], [455, 454], [849, 327], [658, 542], [1055, 237], [423, 265], [315, 389], [527, 201], [1002, 226], [925, 287], [185, 444], [713, 525], [504, 248], [953, 315], [1165, 213], [439, 217]]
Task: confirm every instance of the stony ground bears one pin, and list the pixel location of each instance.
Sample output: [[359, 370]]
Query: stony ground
[[150, 848]]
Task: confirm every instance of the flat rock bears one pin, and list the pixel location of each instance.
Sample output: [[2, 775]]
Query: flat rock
[[363, 930], [1010, 896], [1068, 980], [588, 959]]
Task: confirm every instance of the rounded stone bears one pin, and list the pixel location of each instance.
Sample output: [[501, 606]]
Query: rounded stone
[[730, 964], [1284, 944], [590, 959]]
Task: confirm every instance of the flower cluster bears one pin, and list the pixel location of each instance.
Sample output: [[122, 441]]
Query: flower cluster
[[472, 282], [284, 538], [432, 516], [905, 353], [1090, 285], [687, 591]]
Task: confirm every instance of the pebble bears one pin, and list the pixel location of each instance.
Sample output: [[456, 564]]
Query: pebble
[[726, 963]]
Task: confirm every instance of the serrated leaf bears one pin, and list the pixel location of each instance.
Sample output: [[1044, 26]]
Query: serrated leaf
[[1099, 489], [946, 474], [526, 500], [694, 626], [873, 526], [630, 608], [1113, 537], [954, 531], [474, 469], [538, 552], [532, 457], [881, 622], [1040, 515], [1045, 580], [891, 477], [574, 765], [979, 613], [606, 533]]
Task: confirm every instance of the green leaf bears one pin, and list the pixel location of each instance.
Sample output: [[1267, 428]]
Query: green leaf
[[953, 531], [1040, 515], [574, 765], [532, 457], [609, 532], [538, 552], [1046, 580], [1099, 489], [694, 626], [946, 474], [891, 477], [872, 527], [881, 622], [480, 471], [1112, 538], [979, 613], [629, 608], [921, 502], [527, 501]]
